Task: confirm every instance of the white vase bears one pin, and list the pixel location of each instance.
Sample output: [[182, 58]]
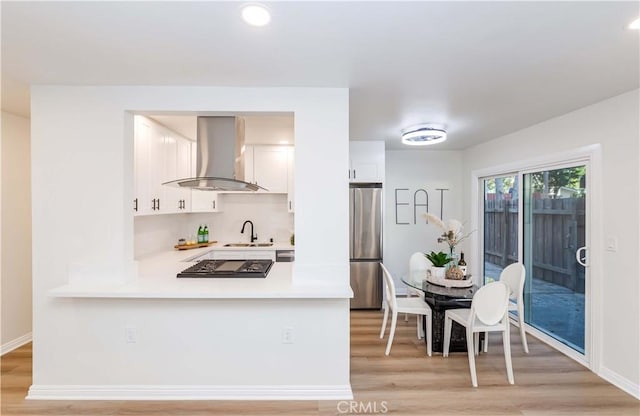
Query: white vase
[[438, 272]]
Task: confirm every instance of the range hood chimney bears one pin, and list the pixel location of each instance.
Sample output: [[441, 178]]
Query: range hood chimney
[[219, 164]]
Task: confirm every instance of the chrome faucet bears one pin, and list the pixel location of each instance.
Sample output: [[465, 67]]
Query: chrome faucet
[[253, 237]]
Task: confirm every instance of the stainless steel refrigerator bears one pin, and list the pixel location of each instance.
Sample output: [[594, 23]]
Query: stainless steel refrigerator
[[365, 223]]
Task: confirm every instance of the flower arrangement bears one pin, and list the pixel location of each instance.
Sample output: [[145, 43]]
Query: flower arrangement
[[451, 232]]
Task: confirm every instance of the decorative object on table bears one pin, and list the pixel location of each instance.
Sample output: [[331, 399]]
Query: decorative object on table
[[443, 281], [451, 234], [439, 262], [454, 273]]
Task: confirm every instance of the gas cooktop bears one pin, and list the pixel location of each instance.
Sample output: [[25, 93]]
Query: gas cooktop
[[228, 268]]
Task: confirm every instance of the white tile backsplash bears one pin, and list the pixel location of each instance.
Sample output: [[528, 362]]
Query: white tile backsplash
[[268, 212]]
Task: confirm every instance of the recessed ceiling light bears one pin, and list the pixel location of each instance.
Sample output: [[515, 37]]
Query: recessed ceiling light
[[423, 135], [256, 15], [635, 24]]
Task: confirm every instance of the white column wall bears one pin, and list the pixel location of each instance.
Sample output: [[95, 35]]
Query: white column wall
[[16, 232], [614, 124], [82, 141]]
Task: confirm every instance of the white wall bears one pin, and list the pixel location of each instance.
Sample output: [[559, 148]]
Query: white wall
[[614, 125], [271, 129], [82, 166], [16, 232], [418, 169], [268, 212]]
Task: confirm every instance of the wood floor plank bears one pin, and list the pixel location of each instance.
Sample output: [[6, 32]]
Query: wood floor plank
[[407, 383]]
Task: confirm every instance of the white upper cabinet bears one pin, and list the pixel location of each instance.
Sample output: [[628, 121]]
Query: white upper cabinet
[[267, 166], [149, 165], [177, 154], [161, 155], [366, 161], [205, 201], [290, 180]]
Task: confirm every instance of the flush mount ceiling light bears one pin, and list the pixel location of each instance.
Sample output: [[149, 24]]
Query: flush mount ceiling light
[[423, 135], [635, 24], [256, 15]]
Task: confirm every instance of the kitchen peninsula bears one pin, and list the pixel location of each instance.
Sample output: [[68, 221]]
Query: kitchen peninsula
[[156, 278]]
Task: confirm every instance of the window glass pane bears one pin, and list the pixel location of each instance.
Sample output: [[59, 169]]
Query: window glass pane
[[500, 225], [554, 229]]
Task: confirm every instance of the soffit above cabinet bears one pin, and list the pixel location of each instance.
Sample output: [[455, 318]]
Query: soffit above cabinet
[[259, 129]]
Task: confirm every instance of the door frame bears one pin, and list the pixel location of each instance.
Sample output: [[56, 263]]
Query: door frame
[[592, 157]]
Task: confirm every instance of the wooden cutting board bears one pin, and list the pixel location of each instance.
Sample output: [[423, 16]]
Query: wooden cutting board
[[190, 246]]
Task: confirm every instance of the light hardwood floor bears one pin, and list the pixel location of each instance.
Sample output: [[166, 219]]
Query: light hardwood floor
[[405, 383]]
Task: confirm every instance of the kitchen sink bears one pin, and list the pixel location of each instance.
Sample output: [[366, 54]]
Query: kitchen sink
[[248, 245]]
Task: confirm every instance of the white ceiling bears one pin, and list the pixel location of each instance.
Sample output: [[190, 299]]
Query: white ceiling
[[482, 69]]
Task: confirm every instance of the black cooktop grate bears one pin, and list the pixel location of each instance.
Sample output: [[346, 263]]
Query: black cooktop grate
[[228, 268]]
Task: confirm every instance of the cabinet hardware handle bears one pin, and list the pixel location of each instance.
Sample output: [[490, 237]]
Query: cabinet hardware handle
[[354, 174], [349, 173], [135, 204], [214, 204], [289, 205], [153, 207], [158, 204]]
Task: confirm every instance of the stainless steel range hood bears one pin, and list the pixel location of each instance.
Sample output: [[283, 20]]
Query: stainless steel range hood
[[219, 164]]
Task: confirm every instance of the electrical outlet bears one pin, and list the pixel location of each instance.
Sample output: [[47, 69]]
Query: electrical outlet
[[131, 334], [287, 335]]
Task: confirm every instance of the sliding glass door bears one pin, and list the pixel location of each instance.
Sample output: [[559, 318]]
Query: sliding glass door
[[554, 231], [538, 217]]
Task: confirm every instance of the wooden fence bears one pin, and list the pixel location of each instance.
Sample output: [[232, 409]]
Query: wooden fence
[[558, 229]]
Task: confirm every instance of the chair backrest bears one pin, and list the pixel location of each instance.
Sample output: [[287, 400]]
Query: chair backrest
[[418, 262], [513, 276], [389, 287], [490, 303]]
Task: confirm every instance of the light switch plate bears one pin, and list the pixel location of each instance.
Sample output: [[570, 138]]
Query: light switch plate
[[612, 244]]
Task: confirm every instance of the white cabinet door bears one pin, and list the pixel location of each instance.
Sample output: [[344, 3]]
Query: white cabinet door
[[149, 167], [205, 201], [291, 201], [141, 168], [367, 161], [171, 196], [183, 171], [267, 167]]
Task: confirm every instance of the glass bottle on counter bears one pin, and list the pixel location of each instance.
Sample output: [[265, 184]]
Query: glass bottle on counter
[[200, 234], [462, 264], [205, 234]]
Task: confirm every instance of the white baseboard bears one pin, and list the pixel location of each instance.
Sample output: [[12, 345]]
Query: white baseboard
[[620, 382], [163, 392], [16, 343]]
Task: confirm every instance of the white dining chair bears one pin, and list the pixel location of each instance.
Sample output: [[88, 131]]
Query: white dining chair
[[488, 313], [418, 263], [393, 305], [514, 276]]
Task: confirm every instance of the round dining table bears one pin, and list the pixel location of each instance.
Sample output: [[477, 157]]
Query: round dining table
[[441, 298]]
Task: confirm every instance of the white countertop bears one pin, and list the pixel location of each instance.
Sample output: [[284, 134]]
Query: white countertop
[[156, 278]]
